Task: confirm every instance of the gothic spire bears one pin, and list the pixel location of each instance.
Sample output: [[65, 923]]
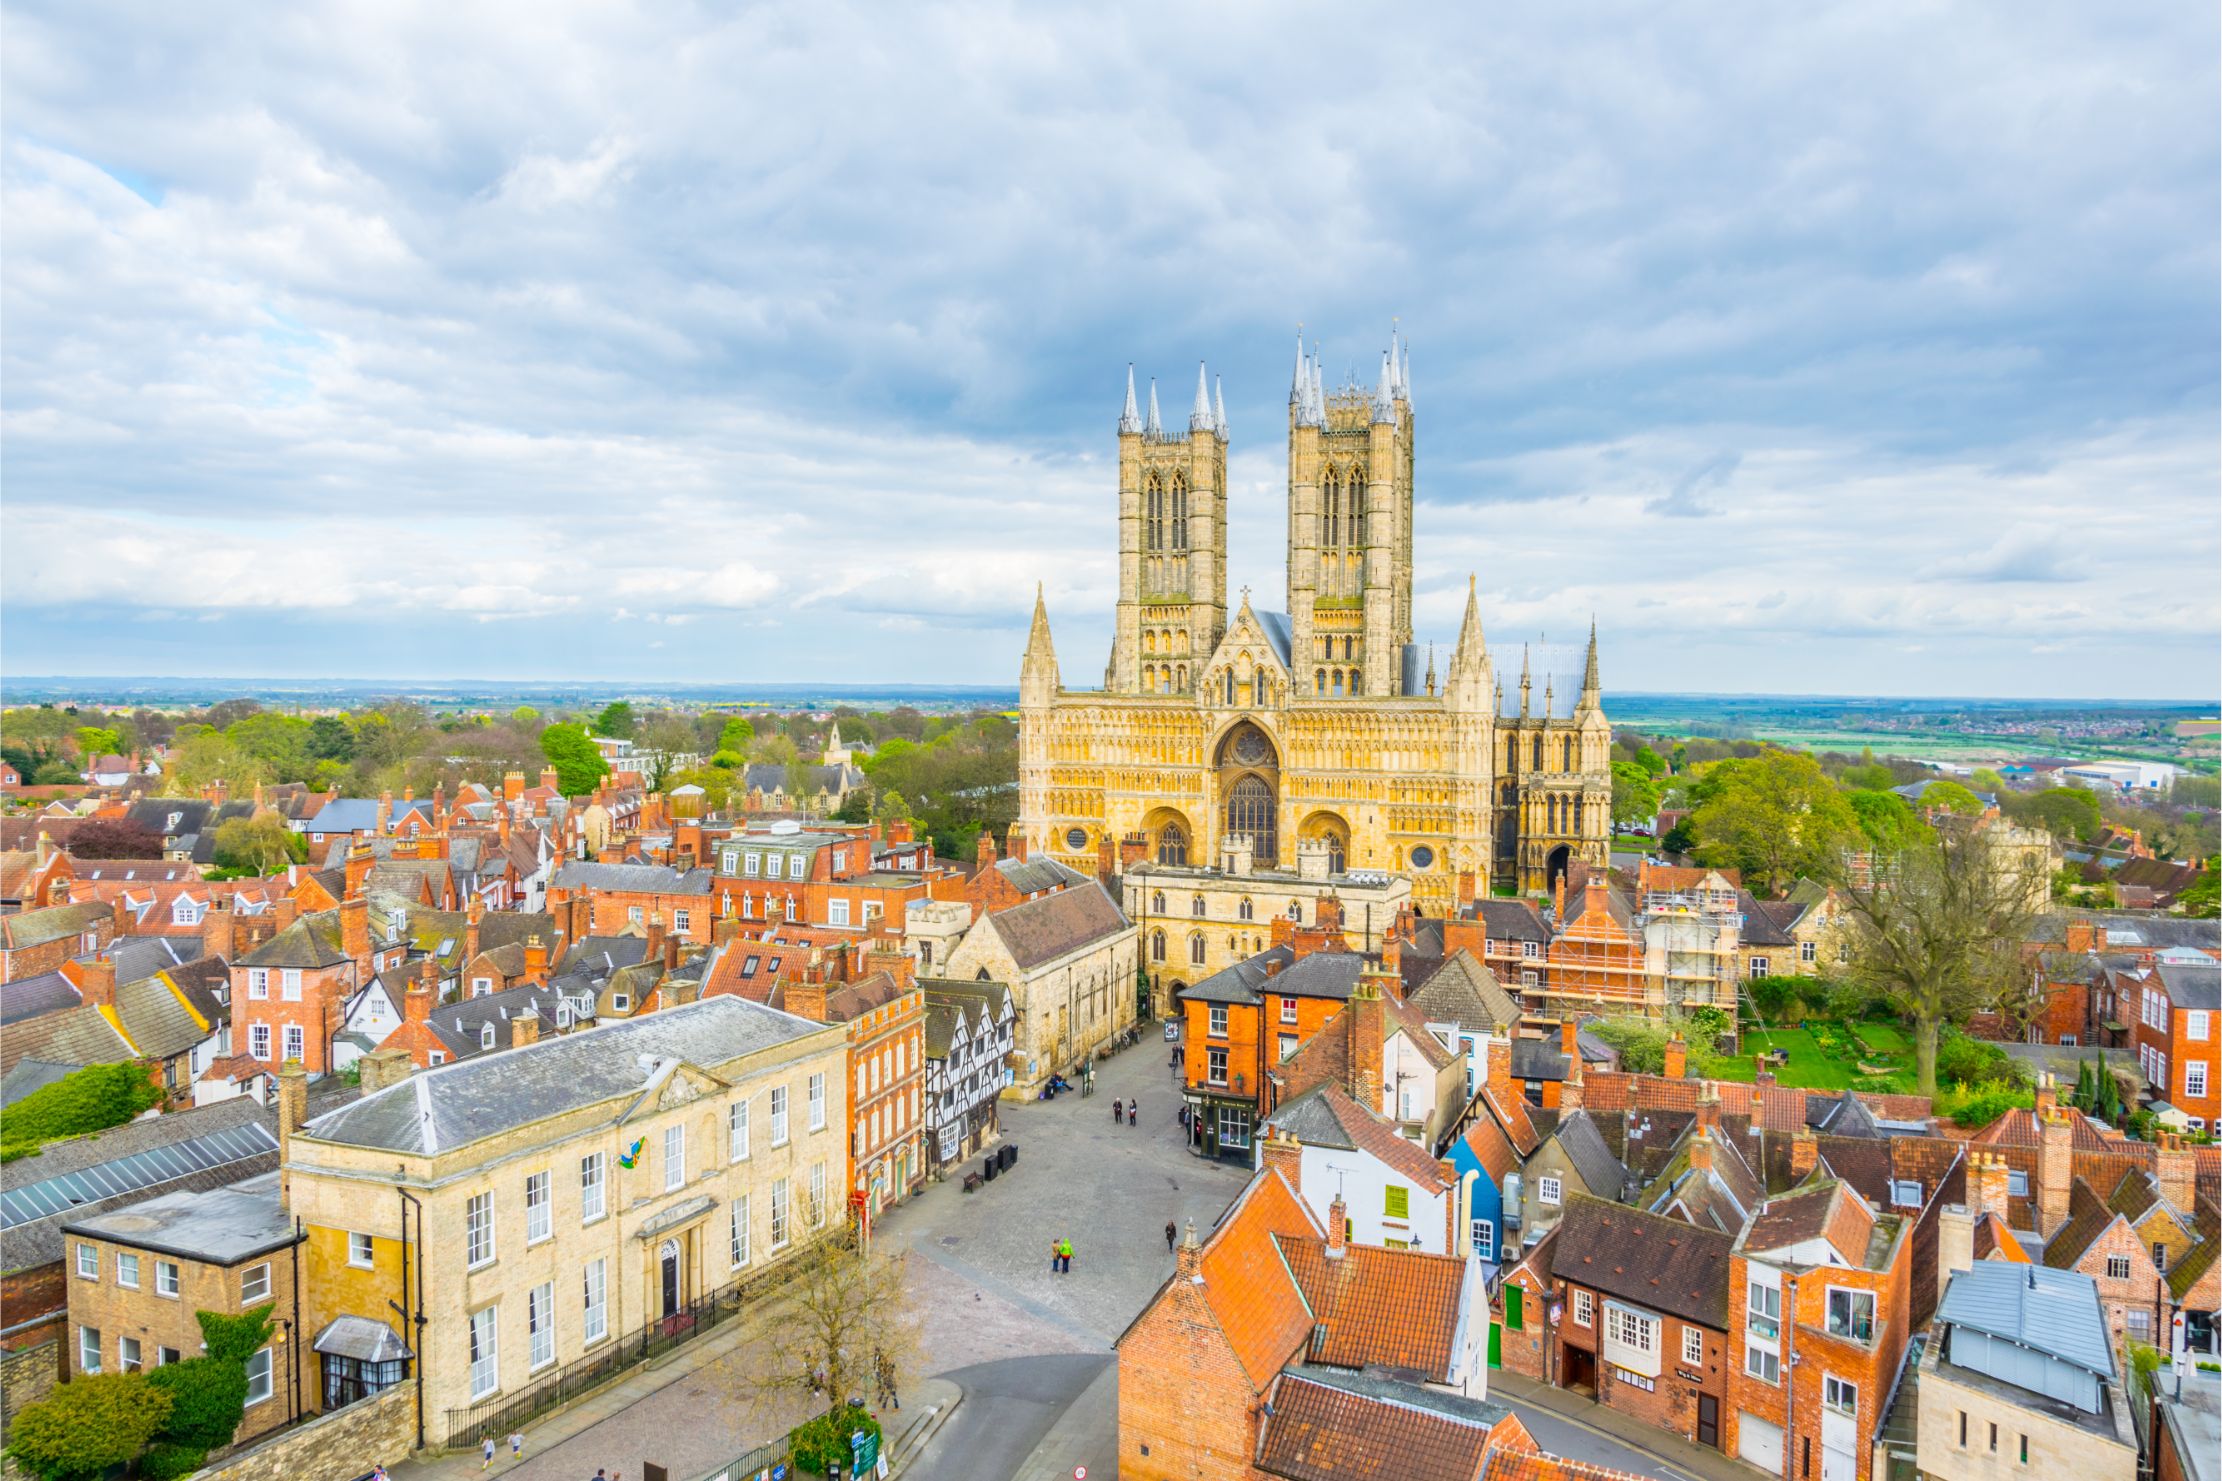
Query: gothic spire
[[1384, 394], [1037, 636], [1130, 420], [1319, 392], [1153, 426], [1471, 646], [1300, 388], [1524, 681], [1199, 415], [1037, 674], [1219, 406], [1396, 363], [1404, 376], [1590, 685]]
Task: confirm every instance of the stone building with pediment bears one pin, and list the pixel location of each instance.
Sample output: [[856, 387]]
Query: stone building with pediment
[[1322, 729]]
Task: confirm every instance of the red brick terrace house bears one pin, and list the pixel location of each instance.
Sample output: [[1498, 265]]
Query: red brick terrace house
[[289, 994], [1265, 1352]]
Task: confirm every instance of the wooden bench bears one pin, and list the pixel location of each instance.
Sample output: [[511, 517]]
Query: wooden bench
[[971, 1182]]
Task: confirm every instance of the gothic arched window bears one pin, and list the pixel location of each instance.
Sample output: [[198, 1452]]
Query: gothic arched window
[[1196, 907], [1244, 910], [1157, 946], [1319, 681], [1157, 903], [1250, 810], [1153, 518], [1180, 513], [1335, 858], [1228, 678], [1172, 846], [1196, 949], [1334, 511]]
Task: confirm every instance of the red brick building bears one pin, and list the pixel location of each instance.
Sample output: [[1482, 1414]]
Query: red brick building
[[2176, 1031], [289, 994], [885, 1012]]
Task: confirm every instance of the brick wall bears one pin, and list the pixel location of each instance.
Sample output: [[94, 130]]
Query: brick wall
[[27, 1376], [29, 1293], [334, 1447], [1671, 1401], [1186, 1407]]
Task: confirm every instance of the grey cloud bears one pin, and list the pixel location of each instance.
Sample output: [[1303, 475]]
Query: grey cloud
[[1684, 501]]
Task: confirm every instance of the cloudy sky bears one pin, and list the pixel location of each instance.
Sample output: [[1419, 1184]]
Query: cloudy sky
[[1859, 349]]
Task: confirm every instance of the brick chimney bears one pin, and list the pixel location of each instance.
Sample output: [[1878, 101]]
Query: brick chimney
[[1190, 1255], [1134, 850], [1392, 946], [420, 997], [216, 929], [1467, 886], [1338, 1228], [551, 779], [2055, 1172], [984, 854], [2080, 936], [96, 983], [122, 914], [385, 811], [512, 785], [1107, 858], [807, 998], [1709, 1110], [1805, 1153], [284, 911], [1677, 1058], [384, 1067], [354, 932], [524, 1029], [1558, 899], [536, 960], [1277, 1150], [1497, 1064], [293, 1105], [2048, 1096], [899, 831], [655, 949], [1955, 1240], [1014, 842], [2176, 1171], [357, 868], [1701, 1149], [1761, 1076], [582, 920], [473, 914], [895, 962], [1568, 1028], [1368, 1030], [1987, 1177], [1327, 914]]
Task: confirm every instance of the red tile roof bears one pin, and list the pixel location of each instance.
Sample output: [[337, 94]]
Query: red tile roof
[[1379, 1307], [1246, 1285]]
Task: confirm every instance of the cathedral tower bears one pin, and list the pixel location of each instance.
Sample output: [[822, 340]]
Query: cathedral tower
[[1350, 469], [1172, 544]]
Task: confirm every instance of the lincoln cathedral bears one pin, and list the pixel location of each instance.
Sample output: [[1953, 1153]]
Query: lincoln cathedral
[[1319, 738]]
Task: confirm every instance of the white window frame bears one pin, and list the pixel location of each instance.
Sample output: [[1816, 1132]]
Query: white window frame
[[479, 1250], [779, 1216], [2123, 1261], [2195, 1079], [540, 1334], [1549, 1191], [1218, 1027], [817, 1096], [258, 983], [483, 1334], [1632, 1329], [166, 1281], [795, 868], [362, 1250], [779, 1115], [539, 1207], [296, 1042], [2195, 1025], [737, 1232], [837, 912], [254, 1284], [1583, 1307], [1763, 1363], [289, 984], [1693, 1347], [130, 1356], [1839, 1394], [1485, 1240], [675, 1157], [88, 1350], [261, 1374], [736, 1131], [88, 1262], [258, 1042], [595, 1301], [594, 1185], [817, 1195], [2017, 1183]]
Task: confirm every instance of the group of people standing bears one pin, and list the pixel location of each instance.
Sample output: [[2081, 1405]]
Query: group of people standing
[[1131, 1110]]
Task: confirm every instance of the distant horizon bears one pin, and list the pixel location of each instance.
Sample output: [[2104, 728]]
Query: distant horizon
[[10, 686]]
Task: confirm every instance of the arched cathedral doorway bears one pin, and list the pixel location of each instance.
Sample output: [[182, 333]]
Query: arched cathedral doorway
[[1554, 869], [1250, 792]]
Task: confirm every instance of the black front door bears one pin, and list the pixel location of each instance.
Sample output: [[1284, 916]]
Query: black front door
[[671, 1282], [1708, 1421]]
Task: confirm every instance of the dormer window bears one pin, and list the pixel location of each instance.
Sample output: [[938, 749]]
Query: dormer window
[[485, 1036], [621, 1003]]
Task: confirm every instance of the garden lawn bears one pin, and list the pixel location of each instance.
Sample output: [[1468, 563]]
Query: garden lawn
[[1810, 1067]]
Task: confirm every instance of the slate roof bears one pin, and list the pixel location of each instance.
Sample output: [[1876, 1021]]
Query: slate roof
[[639, 879], [1538, 1059], [945, 998], [2196, 1261], [1032, 876], [462, 1024], [1464, 992], [29, 1075], [1327, 1424], [75, 1036], [1656, 1263], [37, 927], [1378, 1307], [29, 997], [2053, 1312], [1760, 927], [312, 941], [2190, 986], [1327, 1117], [174, 1010], [222, 1226], [597, 957], [448, 1106], [1512, 920], [1041, 930], [1720, 1197], [344, 815], [1601, 1172], [1844, 1115]]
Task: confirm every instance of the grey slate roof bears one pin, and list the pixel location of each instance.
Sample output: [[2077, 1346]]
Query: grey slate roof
[[1278, 632], [1538, 1059], [1044, 929], [2054, 1312], [1323, 974], [28, 997], [1035, 875], [449, 1106], [463, 1023], [2191, 986], [29, 1075], [345, 815], [641, 879], [1585, 1148], [1464, 992], [219, 1225]]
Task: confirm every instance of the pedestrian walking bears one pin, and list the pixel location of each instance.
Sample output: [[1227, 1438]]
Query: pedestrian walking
[[1170, 1234], [1134, 1113], [1066, 1249], [516, 1444], [884, 1373], [1056, 1257], [1118, 1109], [486, 1453]]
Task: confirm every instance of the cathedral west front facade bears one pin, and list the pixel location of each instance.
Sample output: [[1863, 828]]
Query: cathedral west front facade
[[1320, 736]]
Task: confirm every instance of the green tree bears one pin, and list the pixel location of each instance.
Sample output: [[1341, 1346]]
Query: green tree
[[331, 738], [616, 720], [889, 807], [2201, 793], [1635, 796], [208, 1397], [204, 756], [1884, 818], [1951, 797], [259, 845], [2064, 812], [88, 1426], [1776, 817], [2203, 897], [280, 742], [523, 717], [1868, 777], [1937, 929], [82, 1102], [1651, 761], [577, 760], [736, 735], [95, 740], [1987, 780]]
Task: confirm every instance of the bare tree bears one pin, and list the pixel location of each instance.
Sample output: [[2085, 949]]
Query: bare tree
[[843, 1323], [1939, 927]]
